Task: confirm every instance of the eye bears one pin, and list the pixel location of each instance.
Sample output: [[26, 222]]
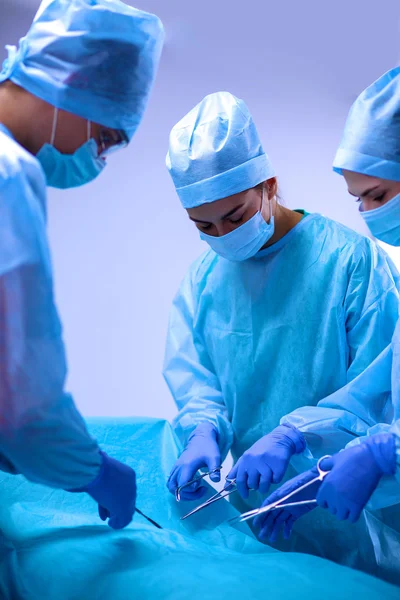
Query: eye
[[204, 227], [237, 220], [379, 198]]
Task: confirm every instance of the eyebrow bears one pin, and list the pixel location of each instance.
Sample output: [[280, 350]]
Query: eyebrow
[[228, 214], [366, 193]]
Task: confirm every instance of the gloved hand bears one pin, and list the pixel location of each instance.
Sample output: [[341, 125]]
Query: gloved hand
[[201, 451], [282, 519], [267, 460], [114, 489], [355, 473]]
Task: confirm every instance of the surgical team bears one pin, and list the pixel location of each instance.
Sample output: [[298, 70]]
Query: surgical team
[[283, 344]]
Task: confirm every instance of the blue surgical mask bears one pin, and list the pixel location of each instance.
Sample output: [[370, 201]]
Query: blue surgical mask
[[70, 170], [245, 241], [384, 222]]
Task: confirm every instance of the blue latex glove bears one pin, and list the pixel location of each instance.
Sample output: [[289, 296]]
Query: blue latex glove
[[267, 460], [201, 451], [355, 473], [114, 489], [283, 519]]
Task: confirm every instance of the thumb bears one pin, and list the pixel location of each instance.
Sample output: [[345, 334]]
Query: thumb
[[327, 463], [214, 462]]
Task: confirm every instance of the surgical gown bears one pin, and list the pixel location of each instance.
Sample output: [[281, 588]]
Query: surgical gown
[[368, 405], [42, 435], [250, 342]]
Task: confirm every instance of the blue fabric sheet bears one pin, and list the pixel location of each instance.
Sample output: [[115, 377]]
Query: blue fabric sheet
[[54, 546]]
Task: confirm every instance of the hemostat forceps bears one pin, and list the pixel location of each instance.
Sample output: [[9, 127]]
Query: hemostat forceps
[[198, 478], [228, 489], [282, 503]]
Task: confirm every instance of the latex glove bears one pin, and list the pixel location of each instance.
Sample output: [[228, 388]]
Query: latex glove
[[201, 451], [114, 489], [267, 460], [272, 523], [355, 473]]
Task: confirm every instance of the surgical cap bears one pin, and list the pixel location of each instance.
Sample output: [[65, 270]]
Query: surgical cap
[[371, 140], [94, 58], [215, 151]]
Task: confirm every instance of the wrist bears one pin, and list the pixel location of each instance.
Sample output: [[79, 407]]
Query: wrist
[[383, 449], [205, 429], [295, 436], [89, 486]]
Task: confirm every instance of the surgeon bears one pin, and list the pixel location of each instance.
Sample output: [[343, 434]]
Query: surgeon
[[284, 308], [366, 475], [74, 90]]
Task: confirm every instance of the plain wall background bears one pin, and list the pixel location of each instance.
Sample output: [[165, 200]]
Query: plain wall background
[[122, 244]]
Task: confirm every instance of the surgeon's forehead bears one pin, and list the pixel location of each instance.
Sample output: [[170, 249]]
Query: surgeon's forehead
[[358, 183]]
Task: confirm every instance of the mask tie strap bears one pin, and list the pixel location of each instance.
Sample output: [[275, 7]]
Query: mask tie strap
[[54, 128]]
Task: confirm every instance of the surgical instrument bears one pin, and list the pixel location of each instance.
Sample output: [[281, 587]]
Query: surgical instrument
[[148, 518], [199, 478], [282, 502], [218, 496]]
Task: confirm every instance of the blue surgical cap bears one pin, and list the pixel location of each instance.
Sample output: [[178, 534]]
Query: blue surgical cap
[[371, 140], [215, 151], [94, 58]]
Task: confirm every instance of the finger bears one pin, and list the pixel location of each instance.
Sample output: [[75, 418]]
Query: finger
[[287, 531], [265, 480], [119, 522], [192, 496], [260, 519], [355, 514], [241, 482], [233, 472], [253, 479], [342, 514], [187, 472], [103, 513], [278, 526], [269, 523], [172, 482], [280, 471], [213, 463], [327, 464]]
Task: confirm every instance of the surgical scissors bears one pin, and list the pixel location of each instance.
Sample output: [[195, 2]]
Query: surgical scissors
[[199, 478], [282, 502], [218, 496]]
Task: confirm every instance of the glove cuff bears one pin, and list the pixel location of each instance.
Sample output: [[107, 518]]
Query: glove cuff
[[383, 448], [92, 484], [294, 435], [206, 429]]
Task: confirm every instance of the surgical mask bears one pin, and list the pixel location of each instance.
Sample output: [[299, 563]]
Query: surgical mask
[[70, 170], [245, 241], [384, 222]]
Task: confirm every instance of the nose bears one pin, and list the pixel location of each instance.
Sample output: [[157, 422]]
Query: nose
[[225, 227]]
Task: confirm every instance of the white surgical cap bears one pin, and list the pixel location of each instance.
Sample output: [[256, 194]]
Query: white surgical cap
[[215, 151], [371, 139], [94, 58]]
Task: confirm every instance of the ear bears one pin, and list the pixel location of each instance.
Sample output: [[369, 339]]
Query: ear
[[271, 187]]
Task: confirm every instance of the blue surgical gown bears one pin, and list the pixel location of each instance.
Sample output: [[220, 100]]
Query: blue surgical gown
[[368, 405], [251, 342], [42, 435]]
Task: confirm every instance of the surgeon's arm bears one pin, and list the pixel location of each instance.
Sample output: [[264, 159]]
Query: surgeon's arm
[[371, 306], [190, 377], [42, 435]]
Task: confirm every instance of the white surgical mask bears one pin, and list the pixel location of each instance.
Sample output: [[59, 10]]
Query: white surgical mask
[[245, 241], [384, 222]]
